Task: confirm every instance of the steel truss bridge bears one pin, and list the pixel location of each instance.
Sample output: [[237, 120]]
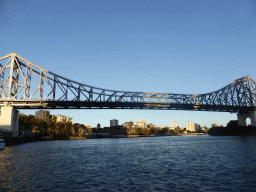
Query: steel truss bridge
[[25, 85]]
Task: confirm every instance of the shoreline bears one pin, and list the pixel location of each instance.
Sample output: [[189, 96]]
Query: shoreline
[[10, 141]]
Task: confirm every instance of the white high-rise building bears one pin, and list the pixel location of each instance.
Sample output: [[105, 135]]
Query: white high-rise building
[[192, 126], [175, 124], [141, 123], [62, 118], [189, 126]]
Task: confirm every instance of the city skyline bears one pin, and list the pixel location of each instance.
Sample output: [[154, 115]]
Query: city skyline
[[190, 47], [169, 121], [45, 114]]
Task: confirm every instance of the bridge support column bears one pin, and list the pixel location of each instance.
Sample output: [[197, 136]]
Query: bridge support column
[[9, 120], [242, 118], [253, 118]]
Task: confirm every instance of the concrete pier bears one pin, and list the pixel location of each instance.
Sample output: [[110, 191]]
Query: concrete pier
[[9, 119], [242, 118]]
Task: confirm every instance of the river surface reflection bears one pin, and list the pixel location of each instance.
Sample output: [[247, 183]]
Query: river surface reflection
[[199, 163]]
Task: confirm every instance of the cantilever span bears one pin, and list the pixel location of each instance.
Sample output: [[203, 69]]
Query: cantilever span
[[25, 85]]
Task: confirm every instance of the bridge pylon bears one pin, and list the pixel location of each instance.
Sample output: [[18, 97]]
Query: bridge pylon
[[9, 119], [242, 116]]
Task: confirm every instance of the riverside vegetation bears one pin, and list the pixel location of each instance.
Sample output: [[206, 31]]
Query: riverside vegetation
[[64, 130], [50, 128], [231, 129]]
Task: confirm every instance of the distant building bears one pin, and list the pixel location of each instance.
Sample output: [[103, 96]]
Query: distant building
[[69, 119], [204, 128], [64, 119], [98, 126], [188, 125], [42, 114], [128, 124], [60, 118], [141, 123], [198, 127], [192, 126], [113, 122], [216, 125], [151, 125], [175, 124]]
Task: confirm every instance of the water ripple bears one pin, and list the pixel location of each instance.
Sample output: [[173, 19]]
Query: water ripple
[[200, 163]]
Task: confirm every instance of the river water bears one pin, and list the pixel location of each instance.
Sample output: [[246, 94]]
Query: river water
[[196, 163]]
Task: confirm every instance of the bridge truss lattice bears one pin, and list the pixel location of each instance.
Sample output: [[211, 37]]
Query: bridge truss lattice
[[25, 85]]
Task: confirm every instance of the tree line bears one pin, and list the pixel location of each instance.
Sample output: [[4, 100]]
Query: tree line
[[50, 128], [63, 130], [118, 130], [232, 128]]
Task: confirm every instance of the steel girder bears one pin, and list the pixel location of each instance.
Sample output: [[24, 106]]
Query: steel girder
[[26, 85]]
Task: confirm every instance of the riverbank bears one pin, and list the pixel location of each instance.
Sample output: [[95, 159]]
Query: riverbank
[[190, 134], [77, 138], [97, 136], [9, 141], [233, 131]]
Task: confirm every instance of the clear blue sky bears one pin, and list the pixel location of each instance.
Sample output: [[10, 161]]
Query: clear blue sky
[[185, 46]]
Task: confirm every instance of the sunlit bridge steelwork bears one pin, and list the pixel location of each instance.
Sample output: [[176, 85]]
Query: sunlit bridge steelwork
[[25, 85]]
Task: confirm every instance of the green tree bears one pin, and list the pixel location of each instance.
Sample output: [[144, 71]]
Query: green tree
[[154, 131], [137, 131], [75, 129], [51, 126], [172, 132], [67, 129]]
